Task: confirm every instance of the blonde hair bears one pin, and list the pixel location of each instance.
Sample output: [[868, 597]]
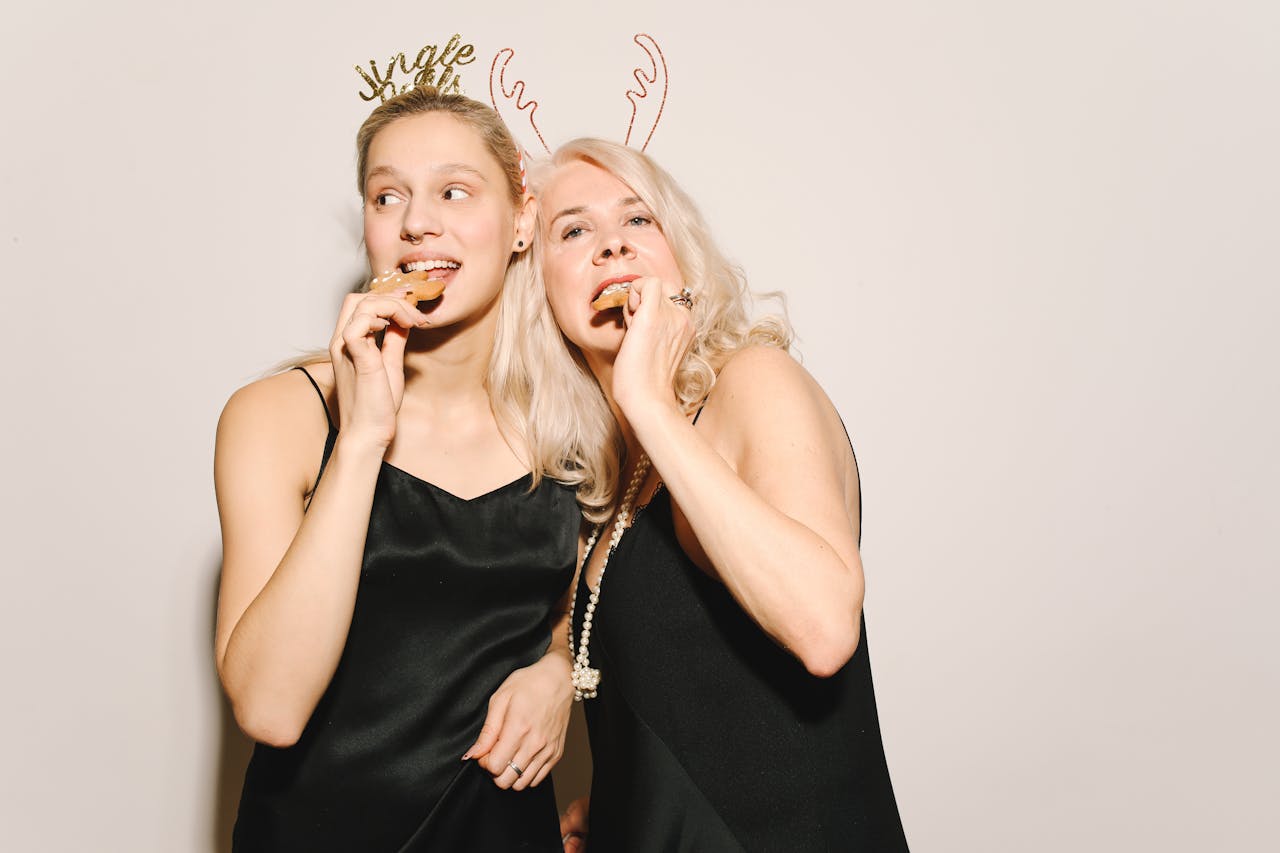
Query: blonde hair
[[573, 434]]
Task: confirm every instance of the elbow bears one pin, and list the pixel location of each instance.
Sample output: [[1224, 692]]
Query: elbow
[[824, 663], [827, 651], [264, 718], [260, 714], [277, 739], [267, 727]]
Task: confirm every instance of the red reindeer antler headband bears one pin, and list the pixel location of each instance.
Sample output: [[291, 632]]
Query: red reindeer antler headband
[[515, 107]]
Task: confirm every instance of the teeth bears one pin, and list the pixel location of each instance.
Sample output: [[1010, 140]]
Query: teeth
[[615, 287], [431, 265]]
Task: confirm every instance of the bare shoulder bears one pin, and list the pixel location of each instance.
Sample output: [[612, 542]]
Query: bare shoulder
[[286, 397], [764, 385], [761, 370], [276, 424], [765, 404]]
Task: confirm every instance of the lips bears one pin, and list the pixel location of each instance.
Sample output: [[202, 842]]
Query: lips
[[611, 286], [441, 268]]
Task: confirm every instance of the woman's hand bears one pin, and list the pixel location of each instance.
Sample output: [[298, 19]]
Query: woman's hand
[[659, 333], [528, 716], [573, 826], [369, 378]]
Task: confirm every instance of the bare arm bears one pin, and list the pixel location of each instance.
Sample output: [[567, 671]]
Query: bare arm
[[772, 506], [289, 578]]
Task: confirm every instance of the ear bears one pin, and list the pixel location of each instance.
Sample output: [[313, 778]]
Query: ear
[[526, 220]]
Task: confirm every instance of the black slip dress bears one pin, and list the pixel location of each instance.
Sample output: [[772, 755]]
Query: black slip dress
[[453, 596], [706, 736]]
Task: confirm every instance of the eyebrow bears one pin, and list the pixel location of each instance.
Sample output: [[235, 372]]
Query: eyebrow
[[574, 211], [443, 168], [460, 167]]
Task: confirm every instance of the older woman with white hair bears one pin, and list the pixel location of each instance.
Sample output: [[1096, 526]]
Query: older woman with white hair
[[717, 625]]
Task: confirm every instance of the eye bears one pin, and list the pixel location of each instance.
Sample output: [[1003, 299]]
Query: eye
[[384, 199], [456, 194], [571, 232], [639, 219]]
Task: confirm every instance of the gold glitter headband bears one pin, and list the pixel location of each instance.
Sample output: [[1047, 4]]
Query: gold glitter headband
[[431, 67]]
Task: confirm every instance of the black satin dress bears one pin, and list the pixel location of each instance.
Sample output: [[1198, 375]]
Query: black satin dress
[[706, 736], [454, 595]]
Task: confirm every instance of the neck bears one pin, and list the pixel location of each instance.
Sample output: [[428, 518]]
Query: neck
[[452, 361]]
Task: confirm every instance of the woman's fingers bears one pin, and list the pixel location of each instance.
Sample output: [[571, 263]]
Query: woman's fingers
[[362, 324], [364, 315], [650, 294], [659, 333], [639, 294], [395, 307], [349, 304], [537, 768], [490, 731], [547, 759], [368, 369], [511, 757], [360, 311], [524, 765], [393, 346], [515, 754]]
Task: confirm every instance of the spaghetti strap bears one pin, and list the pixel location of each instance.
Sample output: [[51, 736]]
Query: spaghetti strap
[[329, 440], [857, 471], [327, 417]]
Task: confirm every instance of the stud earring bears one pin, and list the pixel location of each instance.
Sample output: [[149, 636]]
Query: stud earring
[[519, 244]]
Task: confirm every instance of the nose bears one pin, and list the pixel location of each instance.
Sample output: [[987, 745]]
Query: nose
[[421, 219], [614, 246]]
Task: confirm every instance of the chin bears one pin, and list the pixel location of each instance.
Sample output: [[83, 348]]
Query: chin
[[602, 344]]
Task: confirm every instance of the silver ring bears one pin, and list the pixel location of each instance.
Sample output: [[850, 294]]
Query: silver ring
[[684, 298], [513, 766]]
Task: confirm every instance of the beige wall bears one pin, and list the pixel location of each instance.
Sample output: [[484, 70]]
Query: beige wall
[[1031, 252]]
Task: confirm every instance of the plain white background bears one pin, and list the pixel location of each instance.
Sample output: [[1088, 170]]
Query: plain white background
[[1031, 252]]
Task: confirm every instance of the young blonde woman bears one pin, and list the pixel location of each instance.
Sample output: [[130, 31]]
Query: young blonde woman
[[393, 553], [717, 628]]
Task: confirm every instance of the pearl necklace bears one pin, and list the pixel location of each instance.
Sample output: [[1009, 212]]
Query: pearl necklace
[[586, 679]]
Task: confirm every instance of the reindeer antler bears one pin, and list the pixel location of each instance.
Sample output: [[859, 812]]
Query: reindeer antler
[[657, 63], [513, 95]]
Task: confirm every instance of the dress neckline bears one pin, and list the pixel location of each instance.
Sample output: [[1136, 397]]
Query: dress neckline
[[494, 491]]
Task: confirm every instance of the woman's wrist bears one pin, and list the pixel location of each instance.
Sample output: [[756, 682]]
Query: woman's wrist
[[558, 656], [651, 421], [355, 446]]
